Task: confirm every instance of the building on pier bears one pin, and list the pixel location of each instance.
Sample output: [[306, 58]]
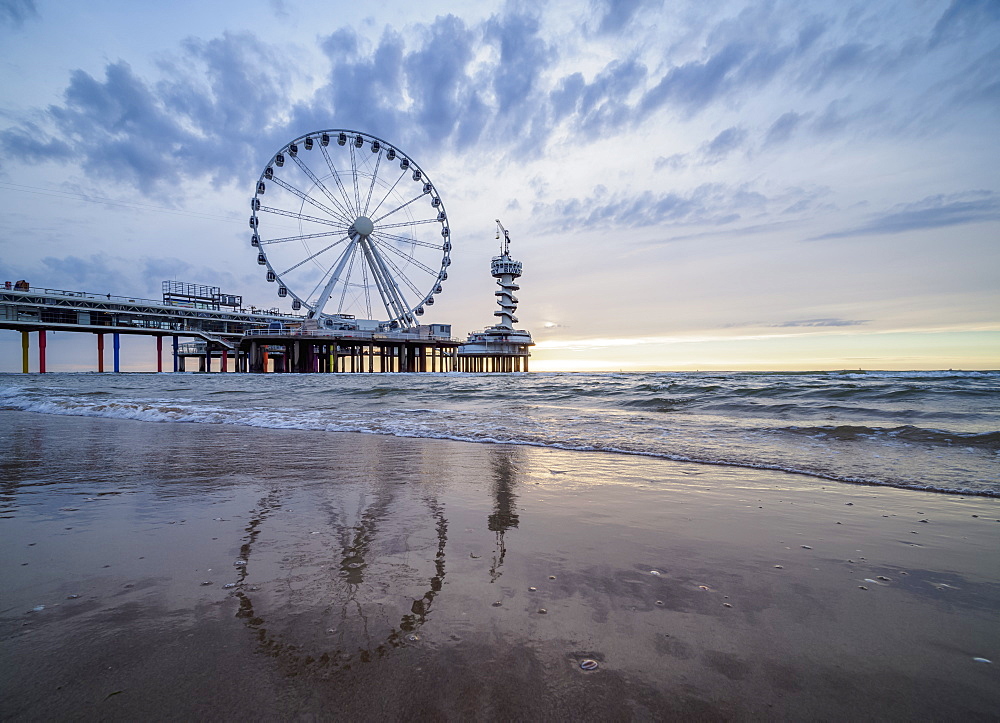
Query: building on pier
[[314, 348], [215, 320], [501, 347]]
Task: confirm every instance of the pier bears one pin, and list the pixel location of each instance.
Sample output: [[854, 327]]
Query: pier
[[218, 329]]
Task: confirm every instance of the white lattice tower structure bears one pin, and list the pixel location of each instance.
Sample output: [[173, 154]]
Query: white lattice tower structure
[[505, 270]]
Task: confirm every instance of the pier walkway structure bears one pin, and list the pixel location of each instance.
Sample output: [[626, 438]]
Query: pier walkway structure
[[219, 328]]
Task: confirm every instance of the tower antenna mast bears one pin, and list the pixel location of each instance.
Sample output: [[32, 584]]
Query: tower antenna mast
[[505, 246]]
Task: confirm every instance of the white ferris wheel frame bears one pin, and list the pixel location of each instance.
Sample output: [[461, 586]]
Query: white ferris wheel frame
[[385, 243]]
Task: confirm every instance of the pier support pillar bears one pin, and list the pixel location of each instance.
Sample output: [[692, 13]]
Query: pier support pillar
[[117, 340], [177, 355], [225, 359], [24, 352], [159, 354], [41, 351], [100, 353]]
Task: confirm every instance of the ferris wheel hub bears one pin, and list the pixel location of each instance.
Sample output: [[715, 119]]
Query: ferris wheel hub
[[363, 226]]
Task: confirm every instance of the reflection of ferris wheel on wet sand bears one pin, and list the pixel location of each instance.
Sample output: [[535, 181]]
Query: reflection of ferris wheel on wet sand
[[365, 231]]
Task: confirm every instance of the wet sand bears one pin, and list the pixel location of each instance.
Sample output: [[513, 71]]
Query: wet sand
[[390, 578]]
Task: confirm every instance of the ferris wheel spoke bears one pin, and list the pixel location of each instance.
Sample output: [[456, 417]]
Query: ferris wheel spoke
[[409, 240], [398, 208], [408, 258], [310, 258], [368, 294], [303, 237], [350, 268], [406, 279], [322, 280], [391, 189], [336, 176], [392, 296], [368, 201], [354, 174], [301, 216], [339, 213], [325, 294], [408, 223], [319, 184]]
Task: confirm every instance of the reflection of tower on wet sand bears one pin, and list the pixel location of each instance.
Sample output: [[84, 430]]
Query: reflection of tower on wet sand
[[504, 517]]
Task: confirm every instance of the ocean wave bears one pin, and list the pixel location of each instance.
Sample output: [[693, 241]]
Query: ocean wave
[[660, 404], [373, 422], [908, 433]]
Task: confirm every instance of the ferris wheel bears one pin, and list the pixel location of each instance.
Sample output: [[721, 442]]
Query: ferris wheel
[[350, 226]]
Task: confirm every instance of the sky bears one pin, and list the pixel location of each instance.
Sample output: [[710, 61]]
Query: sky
[[690, 185]]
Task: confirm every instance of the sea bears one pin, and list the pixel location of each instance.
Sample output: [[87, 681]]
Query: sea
[[923, 430]]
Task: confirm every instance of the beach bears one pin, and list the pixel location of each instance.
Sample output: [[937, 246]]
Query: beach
[[169, 570]]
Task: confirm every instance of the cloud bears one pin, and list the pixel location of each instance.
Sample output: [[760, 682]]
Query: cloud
[[964, 19], [931, 212], [783, 128], [799, 323], [615, 15], [14, 13], [603, 106], [676, 162], [710, 204], [723, 144], [695, 84], [279, 8], [194, 122], [501, 85], [820, 322]]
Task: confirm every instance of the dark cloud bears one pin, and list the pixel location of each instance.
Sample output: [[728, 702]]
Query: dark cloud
[[963, 19], [723, 144], [694, 85], [31, 143], [154, 271], [783, 128], [603, 106], [439, 83], [842, 62], [931, 212], [821, 322], [709, 204], [219, 102], [614, 15], [800, 323], [206, 117], [279, 8], [565, 98], [92, 273], [14, 13]]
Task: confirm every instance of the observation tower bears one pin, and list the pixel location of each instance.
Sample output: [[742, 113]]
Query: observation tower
[[501, 347]]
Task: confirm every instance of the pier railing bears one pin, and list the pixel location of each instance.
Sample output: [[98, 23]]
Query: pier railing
[[348, 335]]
